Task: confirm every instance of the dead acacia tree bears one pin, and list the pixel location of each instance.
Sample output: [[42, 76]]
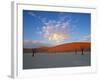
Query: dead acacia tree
[[33, 51], [82, 50]]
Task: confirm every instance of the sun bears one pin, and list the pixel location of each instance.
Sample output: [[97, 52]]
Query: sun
[[56, 37]]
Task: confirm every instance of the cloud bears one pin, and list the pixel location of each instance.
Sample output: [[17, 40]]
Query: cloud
[[34, 43], [86, 38], [32, 14], [40, 18], [56, 30]]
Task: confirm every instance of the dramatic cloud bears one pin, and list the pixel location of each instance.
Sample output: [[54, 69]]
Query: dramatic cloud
[[56, 30]]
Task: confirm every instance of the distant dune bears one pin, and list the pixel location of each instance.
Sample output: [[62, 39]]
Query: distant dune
[[70, 47], [67, 47]]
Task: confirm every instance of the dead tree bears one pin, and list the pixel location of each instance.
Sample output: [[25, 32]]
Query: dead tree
[[33, 51], [82, 51]]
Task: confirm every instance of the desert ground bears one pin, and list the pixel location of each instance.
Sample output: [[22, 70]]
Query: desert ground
[[53, 60], [65, 55]]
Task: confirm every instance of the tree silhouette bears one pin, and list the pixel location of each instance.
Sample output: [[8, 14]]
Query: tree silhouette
[[82, 49], [33, 51]]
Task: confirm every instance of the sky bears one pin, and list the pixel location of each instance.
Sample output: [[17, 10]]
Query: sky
[[46, 28]]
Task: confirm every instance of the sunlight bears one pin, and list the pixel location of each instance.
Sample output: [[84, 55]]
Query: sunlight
[[56, 37]]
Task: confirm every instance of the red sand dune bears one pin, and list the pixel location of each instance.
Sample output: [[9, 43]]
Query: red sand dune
[[63, 47], [70, 47]]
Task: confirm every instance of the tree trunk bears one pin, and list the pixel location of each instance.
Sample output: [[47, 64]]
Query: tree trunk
[[82, 51], [32, 54]]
